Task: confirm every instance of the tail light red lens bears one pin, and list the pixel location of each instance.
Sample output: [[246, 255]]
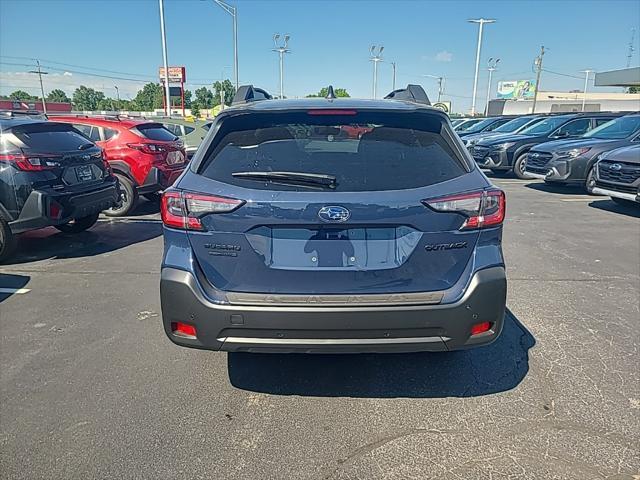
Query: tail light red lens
[[55, 210], [150, 148], [482, 209], [480, 328], [184, 210], [27, 163], [184, 330]]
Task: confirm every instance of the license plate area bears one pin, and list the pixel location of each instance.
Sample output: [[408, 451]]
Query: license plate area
[[84, 173], [175, 158], [334, 248]]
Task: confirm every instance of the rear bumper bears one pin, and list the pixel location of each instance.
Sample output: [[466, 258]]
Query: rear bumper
[[36, 212], [160, 179], [335, 329]]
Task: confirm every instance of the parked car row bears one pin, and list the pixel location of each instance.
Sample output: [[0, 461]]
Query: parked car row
[[561, 149], [63, 171]]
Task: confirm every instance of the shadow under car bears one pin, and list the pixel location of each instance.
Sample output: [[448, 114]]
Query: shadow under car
[[497, 367]]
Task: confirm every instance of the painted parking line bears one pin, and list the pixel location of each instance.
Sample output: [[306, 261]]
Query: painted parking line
[[579, 199], [12, 291]]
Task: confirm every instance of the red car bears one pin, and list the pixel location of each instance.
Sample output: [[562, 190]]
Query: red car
[[145, 157]]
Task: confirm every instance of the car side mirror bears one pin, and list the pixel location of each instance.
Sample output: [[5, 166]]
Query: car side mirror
[[561, 135]]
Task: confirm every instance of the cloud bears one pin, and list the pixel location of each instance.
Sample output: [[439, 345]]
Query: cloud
[[444, 56], [66, 81]]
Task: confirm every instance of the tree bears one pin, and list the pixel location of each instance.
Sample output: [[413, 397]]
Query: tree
[[85, 98], [149, 98], [187, 99], [57, 95], [339, 92], [227, 89], [204, 98], [195, 110], [22, 95], [633, 90]]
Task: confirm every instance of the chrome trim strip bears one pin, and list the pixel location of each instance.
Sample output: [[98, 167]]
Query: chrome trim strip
[[613, 193], [330, 341], [415, 298], [535, 175]]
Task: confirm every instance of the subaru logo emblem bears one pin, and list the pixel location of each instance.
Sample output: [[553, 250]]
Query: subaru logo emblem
[[616, 167], [334, 214]]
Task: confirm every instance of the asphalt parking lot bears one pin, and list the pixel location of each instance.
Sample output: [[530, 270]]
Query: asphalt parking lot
[[90, 387]]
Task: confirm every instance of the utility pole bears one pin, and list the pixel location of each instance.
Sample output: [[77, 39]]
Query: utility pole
[[492, 66], [40, 73], [480, 22], [538, 64], [281, 48], [393, 84], [167, 91], [117, 95], [631, 47], [440, 85], [586, 85], [233, 11], [375, 58]]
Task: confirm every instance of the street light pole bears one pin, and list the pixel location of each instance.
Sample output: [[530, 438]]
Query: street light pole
[[164, 58], [492, 66], [375, 58], [586, 85], [480, 22], [40, 73], [393, 84], [233, 11], [281, 48], [117, 95]]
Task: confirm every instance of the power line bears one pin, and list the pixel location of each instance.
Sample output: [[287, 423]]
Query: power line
[[561, 74]]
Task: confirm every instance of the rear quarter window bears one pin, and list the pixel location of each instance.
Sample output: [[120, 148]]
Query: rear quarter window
[[365, 152]]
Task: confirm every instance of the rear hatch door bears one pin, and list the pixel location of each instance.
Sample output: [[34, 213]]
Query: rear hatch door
[[366, 232]]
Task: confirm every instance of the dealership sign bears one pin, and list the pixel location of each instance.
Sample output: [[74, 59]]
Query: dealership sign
[[516, 89], [444, 106], [176, 74]]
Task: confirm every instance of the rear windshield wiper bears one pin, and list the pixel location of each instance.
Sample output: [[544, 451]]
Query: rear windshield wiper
[[290, 177]]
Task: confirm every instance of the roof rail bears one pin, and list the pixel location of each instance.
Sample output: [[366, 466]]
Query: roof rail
[[249, 93], [413, 93]]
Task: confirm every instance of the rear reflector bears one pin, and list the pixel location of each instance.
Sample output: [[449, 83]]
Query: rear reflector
[[480, 328], [184, 330], [482, 209], [335, 111], [184, 210], [55, 210]]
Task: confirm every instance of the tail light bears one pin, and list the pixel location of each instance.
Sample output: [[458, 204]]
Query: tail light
[[29, 163], [184, 210], [482, 209], [184, 330], [480, 328], [150, 148]]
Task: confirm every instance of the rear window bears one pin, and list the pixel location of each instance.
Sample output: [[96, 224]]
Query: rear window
[[49, 137], [155, 131], [364, 151]]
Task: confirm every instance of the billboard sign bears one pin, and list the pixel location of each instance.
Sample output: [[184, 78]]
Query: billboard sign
[[516, 89], [444, 106], [176, 74]]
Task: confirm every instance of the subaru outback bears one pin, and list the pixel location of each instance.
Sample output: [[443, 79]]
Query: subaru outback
[[286, 235]]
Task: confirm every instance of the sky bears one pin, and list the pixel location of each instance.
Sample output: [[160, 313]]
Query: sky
[[85, 42]]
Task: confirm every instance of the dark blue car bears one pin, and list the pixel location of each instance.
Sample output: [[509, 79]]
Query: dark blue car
[[332, 225]]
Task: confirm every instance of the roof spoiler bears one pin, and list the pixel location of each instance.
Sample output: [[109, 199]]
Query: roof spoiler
[[413, 93], [249, 93]]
